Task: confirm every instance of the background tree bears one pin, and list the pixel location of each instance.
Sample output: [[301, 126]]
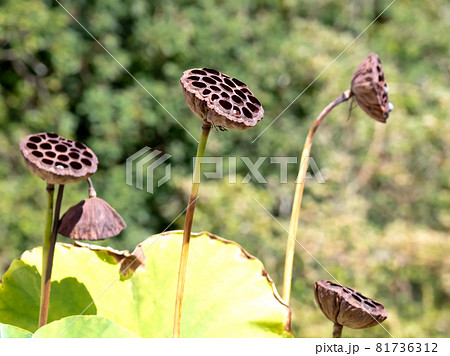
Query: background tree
[[381, 221]]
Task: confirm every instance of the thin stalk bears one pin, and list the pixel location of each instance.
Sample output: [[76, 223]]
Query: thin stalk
[[337, 330], [92, 192], [47, 262], [46, 246], [206, 128], [299, 187]]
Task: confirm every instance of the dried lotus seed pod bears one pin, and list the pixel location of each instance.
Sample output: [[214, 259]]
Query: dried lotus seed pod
[[223, 101], [346, 307], [91, 219], [58, 160], [370, 90]]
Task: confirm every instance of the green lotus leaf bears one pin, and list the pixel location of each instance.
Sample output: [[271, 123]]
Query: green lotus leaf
[[84, 327], [10, 331], [228, 293]]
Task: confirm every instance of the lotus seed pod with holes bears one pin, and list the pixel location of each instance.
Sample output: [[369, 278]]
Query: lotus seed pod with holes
[[223, 101], [58, 160], [370, 89], [91, 219], [347, 307]]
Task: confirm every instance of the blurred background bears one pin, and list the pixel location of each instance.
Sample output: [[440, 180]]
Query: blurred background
[[381, 222]]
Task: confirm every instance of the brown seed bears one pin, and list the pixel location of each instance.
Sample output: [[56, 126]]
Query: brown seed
[[237, 109], [56, 159], [369, 87], [347, 307], [91, 219]]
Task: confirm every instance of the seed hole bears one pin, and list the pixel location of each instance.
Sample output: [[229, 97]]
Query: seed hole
[[47, 161], [74, 149], [197, 71], [32, 146], [214, 97], [35, 139], [230, 83], [61, 165], [46, 146], [254, 100], [236, 111], [53, 141], [193, 77], [213, 87], [86, 162], [199, 84], [224, 95], [61, 148], [236, 99], [245, 90], [209, 80], [52, 135], [369, 304], [216, 78], [238, 82], [206, 92], [226, 87], [225, 104], [50, 154], [80, 145], [75, 165], [247, 113], [252, 107], [212, 71], [357, 298], [63, 158], [37, 154], [87, 154], [240, 93], [74, 155]]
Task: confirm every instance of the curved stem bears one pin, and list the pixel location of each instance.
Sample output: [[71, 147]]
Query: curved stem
[[48, 261], [300, 185], [337, 330], [206, 128], [45, 249]]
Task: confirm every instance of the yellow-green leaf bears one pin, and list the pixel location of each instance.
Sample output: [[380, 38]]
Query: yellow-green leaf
[[228, 293]]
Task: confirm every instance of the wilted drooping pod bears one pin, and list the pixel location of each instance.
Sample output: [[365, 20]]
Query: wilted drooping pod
[[346, 307], [370, 90], [58, 160], [222, 101], [91, 219]]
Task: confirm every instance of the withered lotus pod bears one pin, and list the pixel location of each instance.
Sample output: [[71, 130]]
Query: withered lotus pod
[[58, 160], [346, 307], [370, 90], [91, 219], [223, 101]]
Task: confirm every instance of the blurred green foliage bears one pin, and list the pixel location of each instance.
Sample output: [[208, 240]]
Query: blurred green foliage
[[381, 222]]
